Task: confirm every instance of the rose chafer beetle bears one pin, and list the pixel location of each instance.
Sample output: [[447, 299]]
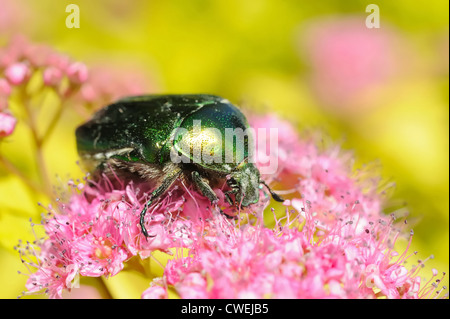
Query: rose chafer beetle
[[160, 138]]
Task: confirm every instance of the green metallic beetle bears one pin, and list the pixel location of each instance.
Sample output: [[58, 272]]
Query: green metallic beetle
[[160, 138]]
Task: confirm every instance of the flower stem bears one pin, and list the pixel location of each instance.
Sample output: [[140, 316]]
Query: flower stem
[[10, 167], [51, 126], [41, 166]]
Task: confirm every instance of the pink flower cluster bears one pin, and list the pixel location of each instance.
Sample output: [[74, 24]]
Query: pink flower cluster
[[97, 231], [22, 61], [328, 240], [263, 263]]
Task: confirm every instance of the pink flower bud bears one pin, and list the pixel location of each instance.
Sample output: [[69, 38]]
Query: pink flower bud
[[17, 73], [52, 76], [77, 72], [57, 60], [7, 124]]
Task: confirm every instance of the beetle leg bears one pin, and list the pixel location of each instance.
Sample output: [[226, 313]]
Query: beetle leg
[[166, 183], [204, 187], [207, 191], [227, 195]]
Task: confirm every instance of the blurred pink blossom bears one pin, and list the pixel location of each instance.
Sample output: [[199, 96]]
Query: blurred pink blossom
[[132, 82], [21, 59], [349, 60], [12, 16]]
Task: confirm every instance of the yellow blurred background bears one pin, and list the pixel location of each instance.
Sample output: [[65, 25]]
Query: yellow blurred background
[[382, 92]]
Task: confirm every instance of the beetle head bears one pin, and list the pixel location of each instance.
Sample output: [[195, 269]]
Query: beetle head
[[244, 182]]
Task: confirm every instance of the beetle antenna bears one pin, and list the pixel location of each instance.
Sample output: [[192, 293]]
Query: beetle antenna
[[275, 196]]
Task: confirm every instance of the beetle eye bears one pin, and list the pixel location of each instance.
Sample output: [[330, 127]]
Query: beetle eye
[[231, 182]]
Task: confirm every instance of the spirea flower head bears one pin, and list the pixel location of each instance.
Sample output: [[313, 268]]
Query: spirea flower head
[[97, 231], [22, 62], [329, 239]]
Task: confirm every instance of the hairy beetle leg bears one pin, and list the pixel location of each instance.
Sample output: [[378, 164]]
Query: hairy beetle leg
[[228, 198], [203, 186], [227, 195], [207, 191], [142, 220], [165, 185]]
